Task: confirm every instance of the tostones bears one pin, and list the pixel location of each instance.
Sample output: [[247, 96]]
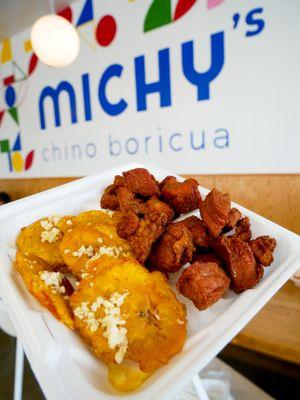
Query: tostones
[[127, 312], [84, 243], [47, 286]]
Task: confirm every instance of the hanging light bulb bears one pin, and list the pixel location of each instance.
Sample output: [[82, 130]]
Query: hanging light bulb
[[55, 40]]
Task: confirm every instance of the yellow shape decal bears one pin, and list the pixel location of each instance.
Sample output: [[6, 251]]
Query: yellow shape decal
[[6, 54], [17, 161], [27, 46]]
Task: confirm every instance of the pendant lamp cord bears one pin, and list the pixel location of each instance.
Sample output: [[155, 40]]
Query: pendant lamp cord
[[52, 9]]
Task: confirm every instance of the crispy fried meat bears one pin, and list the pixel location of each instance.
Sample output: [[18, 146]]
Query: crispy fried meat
[[198, 231], [215, 211], [127, 224], [173, 249], [139, 181], [263, 248], [233, 218], [183, 197], [203, 283], [240, 263], [242, 230], [206, 257]]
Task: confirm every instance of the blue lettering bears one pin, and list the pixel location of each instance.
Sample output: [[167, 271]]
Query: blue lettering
[[258, 22], [201, 145], [179, 148], [221, 141], [86, 96], [112, 109], [91, 150], [113, 143], [135, 149], [202, 79], [162, 86], [44, 154], [48, 91]]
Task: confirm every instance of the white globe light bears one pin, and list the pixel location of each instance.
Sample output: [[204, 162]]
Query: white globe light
[[55, 40]]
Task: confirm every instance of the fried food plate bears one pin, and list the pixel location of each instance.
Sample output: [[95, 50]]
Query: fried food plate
[[63, 365]]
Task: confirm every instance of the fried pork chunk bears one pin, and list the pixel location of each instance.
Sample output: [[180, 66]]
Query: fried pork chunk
[[183, 197], [233, 218], [173, 249], [204, 283], [263, 248], [198, 231], [128, 202], [128, 224], [242, 230], [122, 194], [240, 263], [109, 198], [149, 230], [215, 210], [142, 232], [206, 257], [139, 181]]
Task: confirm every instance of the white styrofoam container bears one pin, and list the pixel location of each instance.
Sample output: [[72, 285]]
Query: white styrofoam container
[[63, 365]]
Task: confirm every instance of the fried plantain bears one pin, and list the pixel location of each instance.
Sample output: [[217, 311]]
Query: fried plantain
[[84, 243], [42, 239], [46, 286], [153, 319]]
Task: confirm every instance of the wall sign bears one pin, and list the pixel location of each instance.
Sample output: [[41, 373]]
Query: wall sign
[[197, 86]]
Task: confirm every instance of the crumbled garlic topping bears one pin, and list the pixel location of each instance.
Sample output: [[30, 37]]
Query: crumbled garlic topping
[[112, 323], [180, 322], [111, 251], [54, 280], [83, 312], [50, 231], [100, 240], [89, 251], [69, 222], [67, 251]]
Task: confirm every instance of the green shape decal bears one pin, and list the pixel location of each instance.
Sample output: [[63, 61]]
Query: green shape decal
[[14, 114], [159, 14], [4, 146]]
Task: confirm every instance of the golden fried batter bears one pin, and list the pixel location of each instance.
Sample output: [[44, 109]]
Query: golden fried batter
[[83, 243], [46, 286], [42, 239], [153, 319]]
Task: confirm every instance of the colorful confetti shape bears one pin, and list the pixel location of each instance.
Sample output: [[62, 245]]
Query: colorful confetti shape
[[1, 115], [8, 80], [17, 146], [87, 13], [106, 30], [6, 54], [32, 64], [182, 7], [17, 161], [29, 160], [14, 114], [4, 146], [27, 46], [66, 13], [10, 96], [159, 14]]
